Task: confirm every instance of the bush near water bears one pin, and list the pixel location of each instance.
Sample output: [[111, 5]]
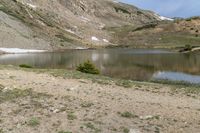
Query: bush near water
[[88, 67]]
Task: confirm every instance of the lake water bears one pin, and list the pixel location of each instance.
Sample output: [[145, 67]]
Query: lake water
[[134, 64]]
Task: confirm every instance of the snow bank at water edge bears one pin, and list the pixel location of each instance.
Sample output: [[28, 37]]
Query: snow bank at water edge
[[20, 51]]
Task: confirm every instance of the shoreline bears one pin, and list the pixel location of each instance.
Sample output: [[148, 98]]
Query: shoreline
[[106, 80], [76, 74]]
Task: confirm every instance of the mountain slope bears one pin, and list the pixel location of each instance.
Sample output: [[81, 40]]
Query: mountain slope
[[163, 34], [63, 24], [77, 24]]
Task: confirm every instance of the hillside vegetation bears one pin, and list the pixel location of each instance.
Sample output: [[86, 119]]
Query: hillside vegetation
[[165, 34]]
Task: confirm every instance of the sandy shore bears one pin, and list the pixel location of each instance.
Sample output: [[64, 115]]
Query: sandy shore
[[38, 102]]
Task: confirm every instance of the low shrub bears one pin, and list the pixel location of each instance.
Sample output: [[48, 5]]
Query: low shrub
[[25, 66], [188, 47], [88, 67]]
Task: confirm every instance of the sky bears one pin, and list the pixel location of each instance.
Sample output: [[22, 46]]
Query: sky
[[169, 8]]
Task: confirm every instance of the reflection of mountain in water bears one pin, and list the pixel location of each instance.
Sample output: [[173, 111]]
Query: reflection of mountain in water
[[134, 64]]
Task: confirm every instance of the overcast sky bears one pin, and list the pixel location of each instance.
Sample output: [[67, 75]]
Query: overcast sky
[[169, 8]]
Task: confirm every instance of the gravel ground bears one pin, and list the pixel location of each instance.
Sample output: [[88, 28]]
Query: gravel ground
[[32, 102]]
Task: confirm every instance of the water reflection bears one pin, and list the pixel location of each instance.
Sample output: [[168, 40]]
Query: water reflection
[[136, 64], [177, 76]]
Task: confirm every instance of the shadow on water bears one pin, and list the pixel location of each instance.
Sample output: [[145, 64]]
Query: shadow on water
[[135, 64]]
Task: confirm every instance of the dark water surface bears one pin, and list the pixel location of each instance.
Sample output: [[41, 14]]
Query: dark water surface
[[135, 64]]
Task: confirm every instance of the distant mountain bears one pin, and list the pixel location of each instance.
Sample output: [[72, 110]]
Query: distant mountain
[[77, 24]]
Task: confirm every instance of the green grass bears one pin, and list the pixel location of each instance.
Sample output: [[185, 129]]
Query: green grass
[[86, 105], [147, 26], [64, 132], [71, 116], [125, 83], [192, 18], [63, 38], [127, 115], [92, 127], [178, 83], [181, 86], [119, 9], [126, 130], [78, 75], [12, 94], [180, 39], [144, 37], [33, 122]]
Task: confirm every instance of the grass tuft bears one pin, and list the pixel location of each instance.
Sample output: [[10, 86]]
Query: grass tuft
[[64, 132], [71, 116], [33, 122], [127, 115], [91, 126], [25, 66]]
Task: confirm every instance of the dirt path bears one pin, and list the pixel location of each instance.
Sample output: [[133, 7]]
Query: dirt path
[[58, 105]]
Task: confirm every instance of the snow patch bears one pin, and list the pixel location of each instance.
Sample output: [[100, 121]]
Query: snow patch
[[79, 48], [85, 19], [76, 27], [105, 40], [31, 5], [28, 4], [94, 38], [70, 31], [74, 31], [40, 22], [115, 1], [163, 18], [146, 117], [20, 51], [101, 26]]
